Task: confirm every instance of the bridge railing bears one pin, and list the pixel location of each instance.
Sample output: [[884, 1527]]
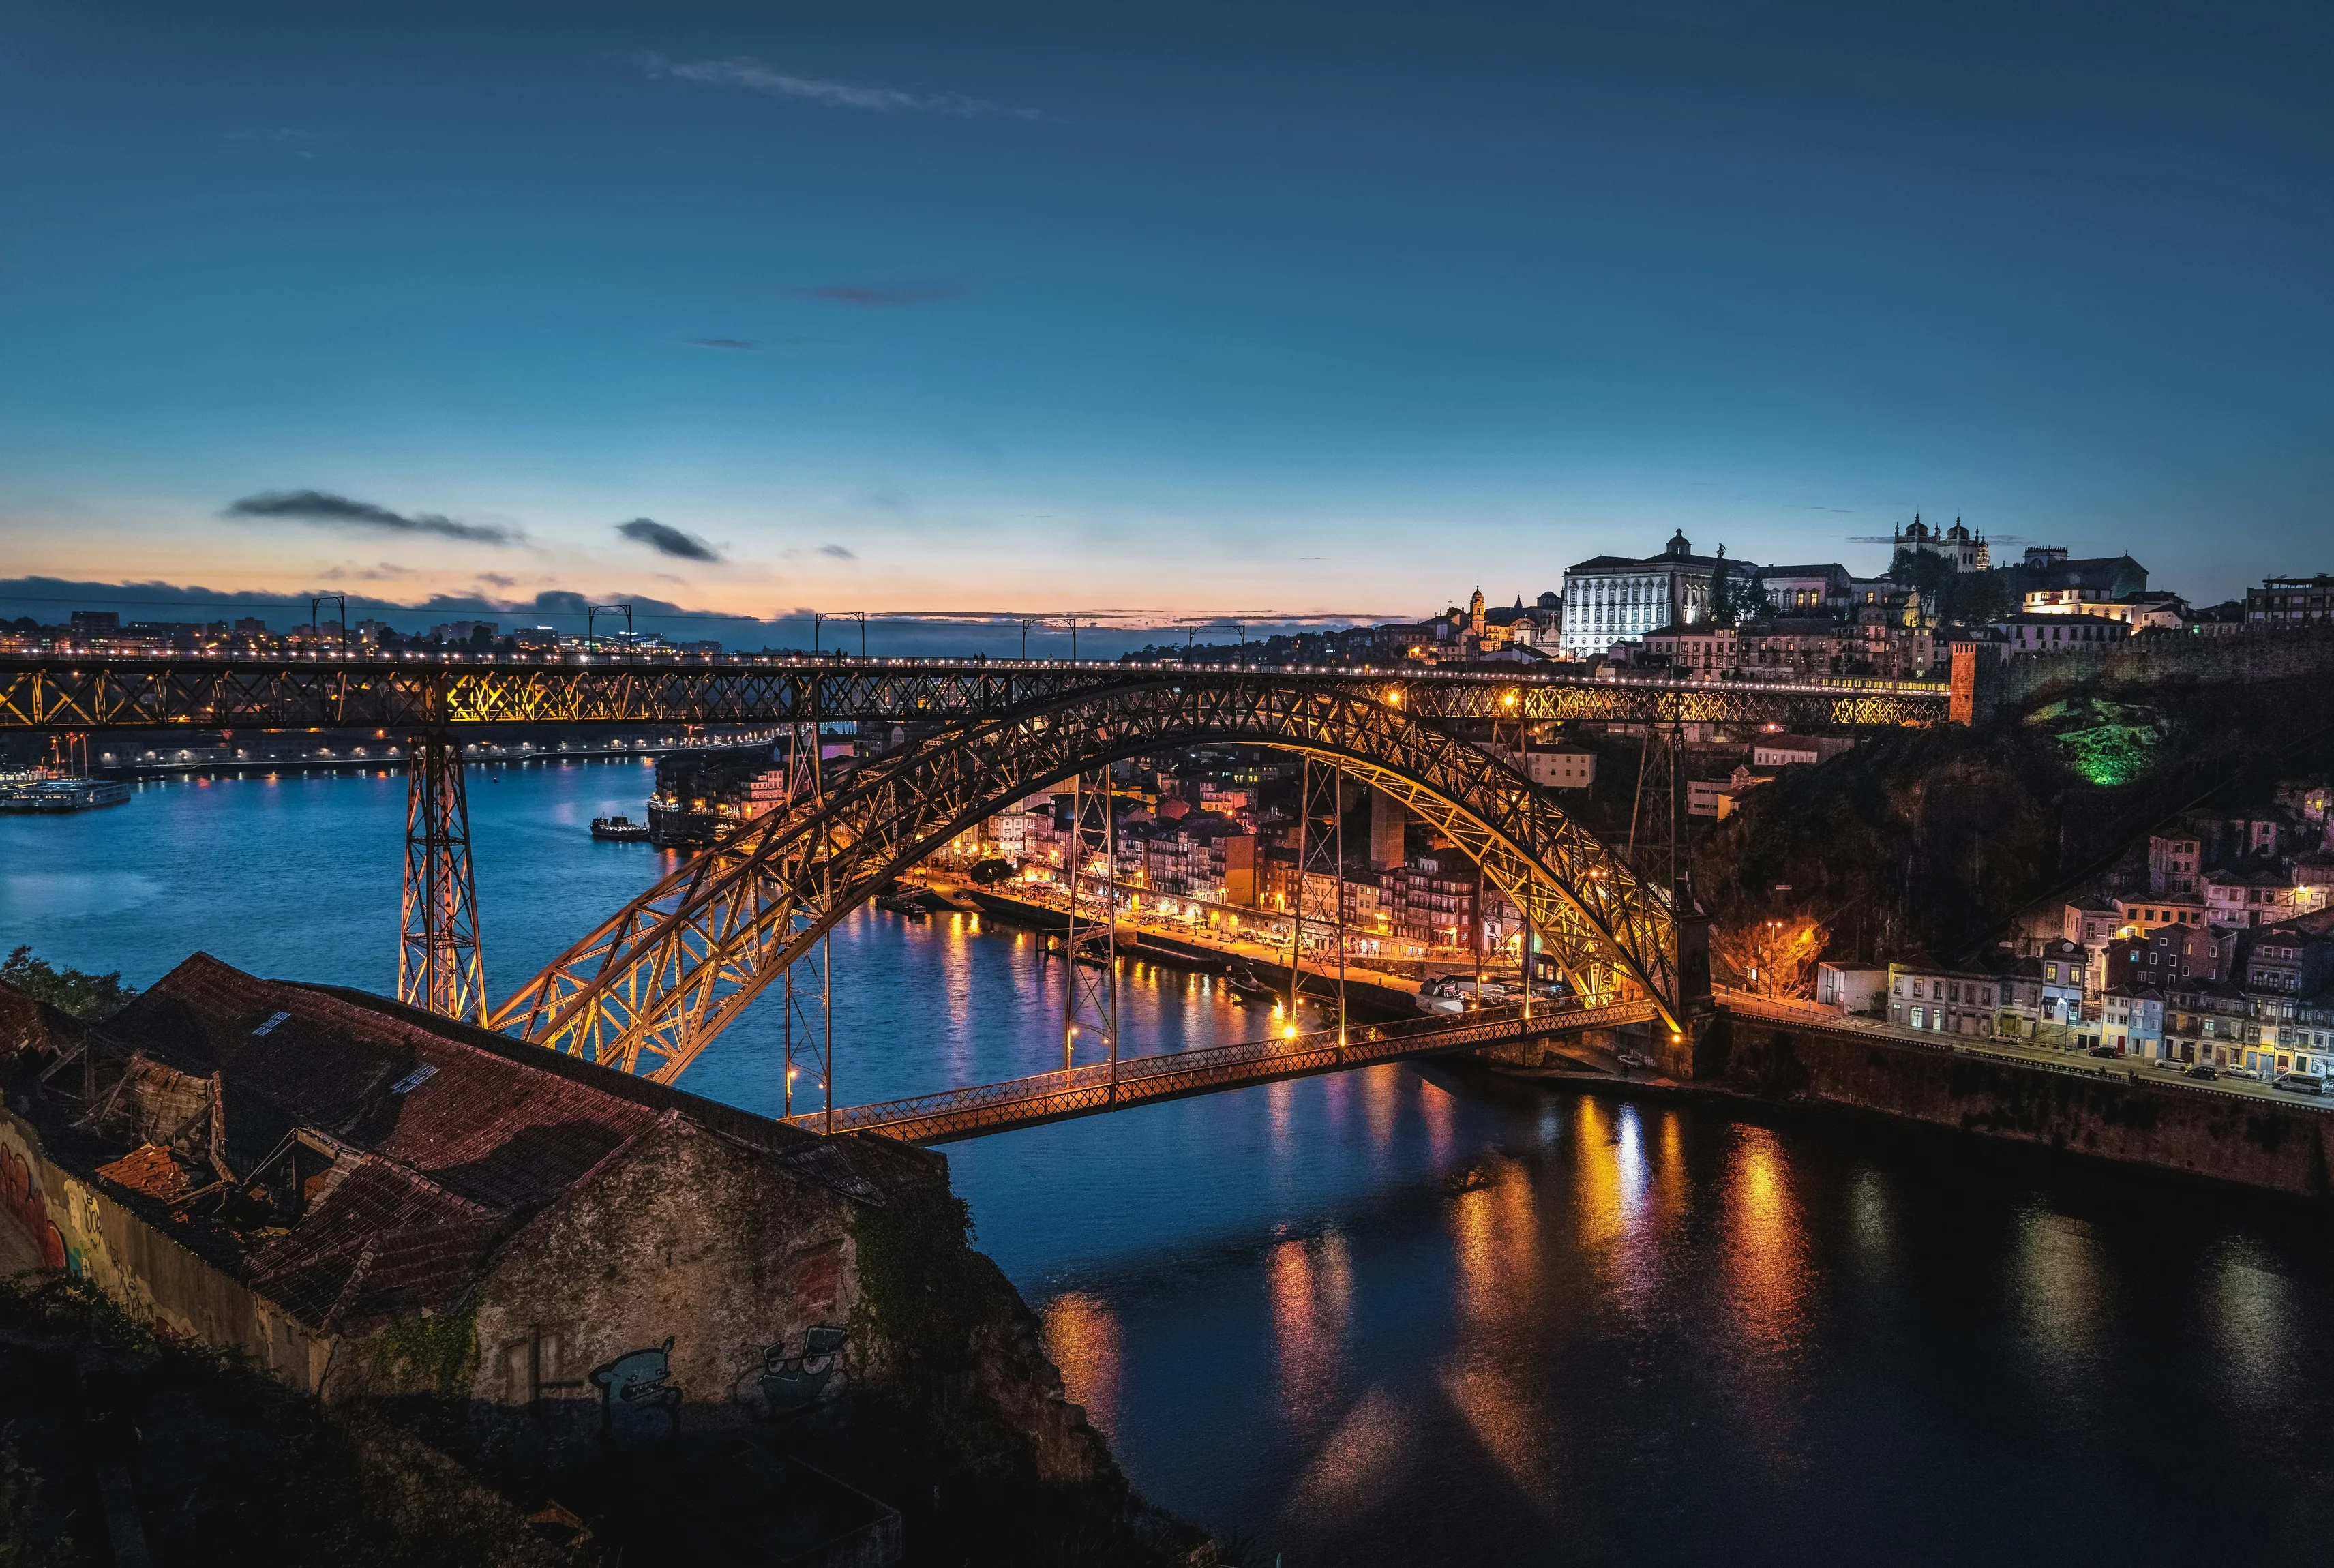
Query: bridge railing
[[1133, 1079]]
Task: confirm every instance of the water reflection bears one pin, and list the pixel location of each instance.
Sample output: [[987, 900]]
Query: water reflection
[[1766, 1252], [1310, 1287], [2058, 1299], [2250, 1313], [1082, 1337]]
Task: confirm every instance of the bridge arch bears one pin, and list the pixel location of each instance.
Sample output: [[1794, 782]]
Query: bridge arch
[[651, 987]]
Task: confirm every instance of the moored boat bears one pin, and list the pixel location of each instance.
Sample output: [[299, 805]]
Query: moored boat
[[620, 830]]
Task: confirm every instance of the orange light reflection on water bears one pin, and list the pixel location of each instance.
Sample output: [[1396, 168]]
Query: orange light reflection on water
[[1767, 1260], [1083, 1339], [1310, 1285]]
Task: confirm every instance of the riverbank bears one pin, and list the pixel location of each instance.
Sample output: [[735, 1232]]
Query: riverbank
[[2241, 1136]]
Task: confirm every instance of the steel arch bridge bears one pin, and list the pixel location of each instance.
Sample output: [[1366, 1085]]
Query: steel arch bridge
[[649, 989], [655, 983]]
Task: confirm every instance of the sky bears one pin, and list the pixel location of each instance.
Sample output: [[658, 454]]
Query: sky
[[1252, 309]]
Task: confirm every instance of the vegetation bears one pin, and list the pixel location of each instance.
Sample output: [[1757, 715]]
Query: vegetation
[[227, 1464], [1956, 598], [1933, 840], [84, 996], [1772, 954]]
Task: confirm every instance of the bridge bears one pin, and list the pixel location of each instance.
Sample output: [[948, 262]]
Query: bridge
[[1074, 1092], [656, 982]]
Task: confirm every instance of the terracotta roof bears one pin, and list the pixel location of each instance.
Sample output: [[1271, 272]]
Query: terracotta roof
[[495, 1131], [150, 1170]]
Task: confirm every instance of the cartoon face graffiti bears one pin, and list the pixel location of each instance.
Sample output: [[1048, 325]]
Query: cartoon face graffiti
[[637, 1405], [793, 1383]]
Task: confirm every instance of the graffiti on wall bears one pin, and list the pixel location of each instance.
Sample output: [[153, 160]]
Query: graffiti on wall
[[639, 1403], [28, 1209], [794, 1383]]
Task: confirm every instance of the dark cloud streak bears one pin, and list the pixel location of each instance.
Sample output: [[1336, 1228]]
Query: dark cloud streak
[[666, 540], [327, 510]]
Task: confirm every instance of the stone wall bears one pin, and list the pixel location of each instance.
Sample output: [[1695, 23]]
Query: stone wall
[[2156, 659], [68, 1224], [2229, 1136]]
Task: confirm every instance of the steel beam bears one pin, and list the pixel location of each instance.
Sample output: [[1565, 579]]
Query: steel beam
[[657, 981], [82, 691], [439, 967]]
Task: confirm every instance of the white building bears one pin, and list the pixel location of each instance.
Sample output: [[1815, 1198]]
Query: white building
[[1610, 599], [1561, 770]]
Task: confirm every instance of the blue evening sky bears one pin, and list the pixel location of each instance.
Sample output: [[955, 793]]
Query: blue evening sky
[[1175, 309]]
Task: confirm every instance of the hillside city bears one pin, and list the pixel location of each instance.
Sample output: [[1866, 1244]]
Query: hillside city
[[2210, 948]]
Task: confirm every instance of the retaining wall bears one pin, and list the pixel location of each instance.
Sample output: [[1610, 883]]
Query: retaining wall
[[2230, 1136]]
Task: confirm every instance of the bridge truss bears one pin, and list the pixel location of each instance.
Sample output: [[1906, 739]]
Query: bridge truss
[[650, 988], [67, 691], [660, 980]]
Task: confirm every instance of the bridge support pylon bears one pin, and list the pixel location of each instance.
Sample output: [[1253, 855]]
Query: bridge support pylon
[[440, 968]]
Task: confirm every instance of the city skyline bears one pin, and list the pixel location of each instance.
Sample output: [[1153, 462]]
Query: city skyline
[[1172, 318]]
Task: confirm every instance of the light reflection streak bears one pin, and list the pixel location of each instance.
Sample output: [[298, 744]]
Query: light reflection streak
[[1766, 1258], [1082, 1337], [1278, 1098], [1381, 1099], [2250, 1324], [1357, 1465], [1310, 1288], [1436, 1106], [2054, 1274]]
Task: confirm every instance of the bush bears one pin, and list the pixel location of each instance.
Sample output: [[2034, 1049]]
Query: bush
[[84, 996]]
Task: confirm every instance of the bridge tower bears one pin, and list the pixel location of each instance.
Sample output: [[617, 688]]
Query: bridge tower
[[440, 968]]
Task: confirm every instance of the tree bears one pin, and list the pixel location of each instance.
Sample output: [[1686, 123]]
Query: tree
[[1774, 956], [84, 996]]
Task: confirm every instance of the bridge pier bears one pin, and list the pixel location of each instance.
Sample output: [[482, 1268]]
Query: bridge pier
[[438, 965]]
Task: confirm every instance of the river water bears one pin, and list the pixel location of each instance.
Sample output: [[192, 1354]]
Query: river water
[[1403, 1317]]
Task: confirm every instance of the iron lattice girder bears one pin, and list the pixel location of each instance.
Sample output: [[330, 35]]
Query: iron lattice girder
[[82, 691], [654, 985], [1172, 1074]]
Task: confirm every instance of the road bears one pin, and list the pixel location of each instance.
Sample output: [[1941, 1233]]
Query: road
[[2042, 1057]]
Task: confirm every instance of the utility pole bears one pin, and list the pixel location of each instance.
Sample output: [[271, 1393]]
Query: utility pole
[[316, 601], [862, 617], [591, 612], [818, 617]]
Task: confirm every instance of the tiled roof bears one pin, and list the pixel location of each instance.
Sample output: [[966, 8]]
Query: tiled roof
[[378, 1154], [150, 1170], [495, 1131]]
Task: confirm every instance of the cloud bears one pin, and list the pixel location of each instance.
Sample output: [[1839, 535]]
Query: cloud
[[745, 71], [881, 297], [837, 551], [327, 510], [722, 343], [496, 580], [667, 539]]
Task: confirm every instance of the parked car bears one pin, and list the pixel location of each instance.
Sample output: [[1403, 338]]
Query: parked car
[[2302, 1082], [2104, 1051], [2202, 1070]]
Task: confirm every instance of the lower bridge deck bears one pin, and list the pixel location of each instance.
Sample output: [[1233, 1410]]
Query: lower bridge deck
[[1105, 1086]]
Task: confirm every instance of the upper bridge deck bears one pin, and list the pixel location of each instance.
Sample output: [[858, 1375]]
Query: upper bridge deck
[[90, 691]]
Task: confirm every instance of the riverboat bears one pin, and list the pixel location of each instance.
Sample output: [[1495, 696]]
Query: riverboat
[[38, 792], [620, 830]]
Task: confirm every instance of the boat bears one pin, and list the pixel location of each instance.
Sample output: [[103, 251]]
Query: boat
[[1245, 986], [620, 830], [39, 792], [902, 904]]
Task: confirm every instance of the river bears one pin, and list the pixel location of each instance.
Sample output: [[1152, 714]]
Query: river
[[1405, 1317]]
